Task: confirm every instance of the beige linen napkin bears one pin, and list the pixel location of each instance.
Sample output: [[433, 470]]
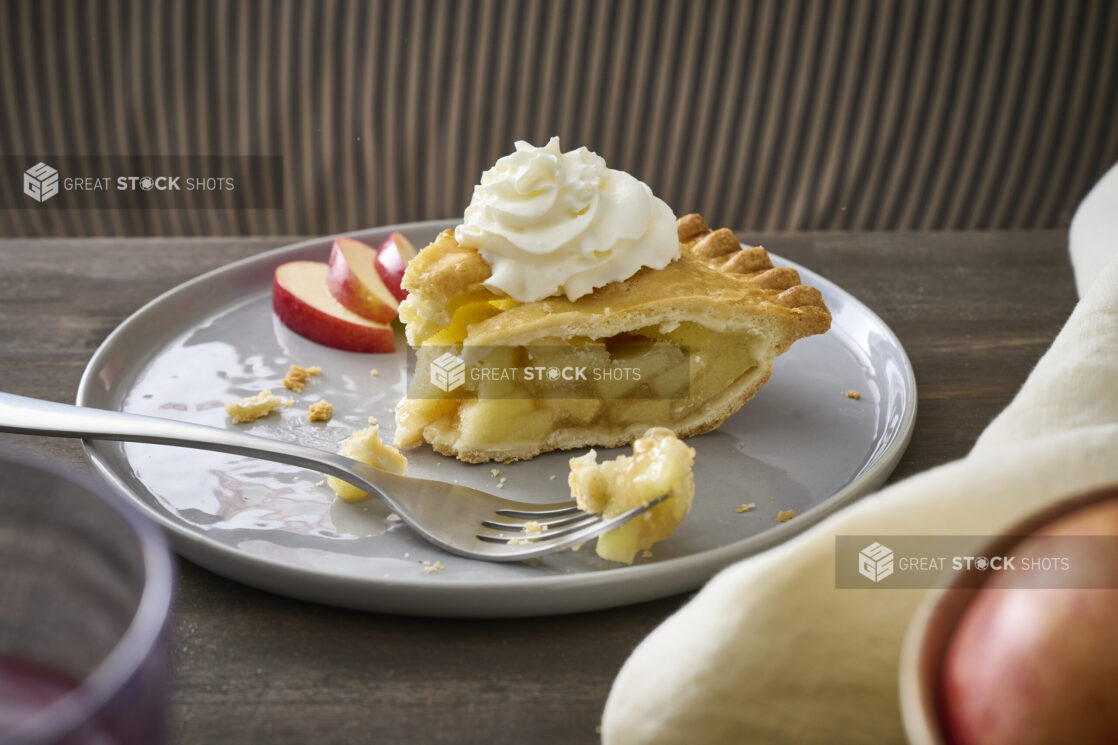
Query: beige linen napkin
[[771, 652]]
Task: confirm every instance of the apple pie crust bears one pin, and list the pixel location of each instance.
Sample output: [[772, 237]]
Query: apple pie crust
[[726, 304]]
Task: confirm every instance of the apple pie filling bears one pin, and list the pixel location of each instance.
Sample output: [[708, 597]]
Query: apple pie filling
[[679, 366], [660, 464]]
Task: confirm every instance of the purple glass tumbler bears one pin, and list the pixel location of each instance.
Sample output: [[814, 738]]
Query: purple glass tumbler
[[85, 592]]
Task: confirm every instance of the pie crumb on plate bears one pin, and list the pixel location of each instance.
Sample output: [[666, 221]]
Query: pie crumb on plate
[[254, 407], [320, 411], [296, 377]]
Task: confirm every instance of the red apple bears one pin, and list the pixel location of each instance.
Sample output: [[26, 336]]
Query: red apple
[[392, 259], [1036, 662], [354, 282], [301, 300]]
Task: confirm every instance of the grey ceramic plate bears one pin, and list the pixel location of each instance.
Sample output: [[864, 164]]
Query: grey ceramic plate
[[799, 444]]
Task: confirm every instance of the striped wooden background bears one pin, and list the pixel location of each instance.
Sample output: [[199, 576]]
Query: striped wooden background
[[805, 114]]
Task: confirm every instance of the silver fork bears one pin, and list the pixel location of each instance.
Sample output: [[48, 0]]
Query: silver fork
[[456, 518]]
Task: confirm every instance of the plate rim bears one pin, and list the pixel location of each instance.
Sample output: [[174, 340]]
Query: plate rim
[[687, 571]]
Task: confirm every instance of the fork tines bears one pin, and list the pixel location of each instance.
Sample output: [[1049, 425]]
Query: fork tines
[[564, 522], [525, 531]]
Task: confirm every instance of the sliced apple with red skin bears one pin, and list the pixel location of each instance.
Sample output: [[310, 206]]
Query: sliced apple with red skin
[[354, 281], [300, 299], [392, 259]]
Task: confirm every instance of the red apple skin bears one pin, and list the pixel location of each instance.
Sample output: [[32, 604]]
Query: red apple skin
[[354, 281], [301, 301], [392, 259], [1039, 665]]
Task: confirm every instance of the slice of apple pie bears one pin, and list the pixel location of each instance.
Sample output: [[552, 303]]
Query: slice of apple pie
[[720, 313]]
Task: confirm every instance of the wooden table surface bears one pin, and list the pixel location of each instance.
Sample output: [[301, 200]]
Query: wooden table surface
[[974, 310]]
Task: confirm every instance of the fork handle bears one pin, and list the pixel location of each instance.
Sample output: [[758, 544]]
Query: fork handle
[[32, 416]]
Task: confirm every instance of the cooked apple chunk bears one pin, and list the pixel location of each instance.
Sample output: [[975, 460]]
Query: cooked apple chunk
[[660, 464], [366, 446]]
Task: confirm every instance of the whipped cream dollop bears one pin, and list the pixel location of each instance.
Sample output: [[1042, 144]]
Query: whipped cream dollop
[[550, 223]]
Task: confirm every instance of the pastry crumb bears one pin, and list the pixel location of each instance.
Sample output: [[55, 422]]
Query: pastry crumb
[[500, 484], [407, 555], [646, 554], [320, 483], [854, 395], [253, 407], [320, 411], [785, 515], [375, 373], [745, 508], [432, 568], [296, 377], [551, 477], [534, 527], [494, 472]]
